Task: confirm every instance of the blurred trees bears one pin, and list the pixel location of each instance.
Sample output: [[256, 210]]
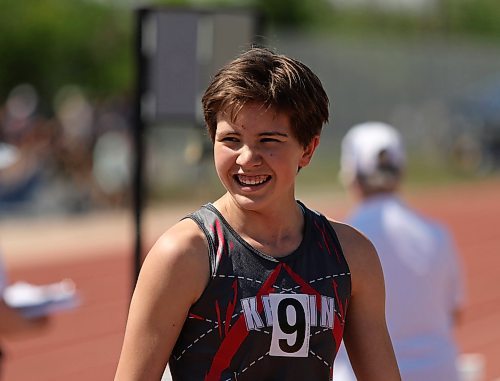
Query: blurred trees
[[471, 18], [476, 17], [465, 17], [53, 43]]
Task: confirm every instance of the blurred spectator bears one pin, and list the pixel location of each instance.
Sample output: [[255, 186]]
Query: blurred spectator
[[73, 146], [111, 156], [424, 291], [72, 162], [21, 132]]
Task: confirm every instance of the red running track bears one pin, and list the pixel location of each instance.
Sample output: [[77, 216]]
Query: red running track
[[84, 344]]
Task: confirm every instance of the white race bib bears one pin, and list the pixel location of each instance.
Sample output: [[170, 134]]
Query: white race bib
[[291, 325]]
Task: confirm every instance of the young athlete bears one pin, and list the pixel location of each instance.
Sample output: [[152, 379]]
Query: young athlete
[[256, 286]]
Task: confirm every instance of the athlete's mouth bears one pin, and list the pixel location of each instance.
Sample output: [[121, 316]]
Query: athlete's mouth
[[252, 180]]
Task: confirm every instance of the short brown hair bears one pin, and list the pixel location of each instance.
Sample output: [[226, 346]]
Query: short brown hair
[[273, 80]]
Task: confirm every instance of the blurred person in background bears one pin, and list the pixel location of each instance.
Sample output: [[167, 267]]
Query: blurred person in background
[[22, 131], [424, 290], [12, 323]]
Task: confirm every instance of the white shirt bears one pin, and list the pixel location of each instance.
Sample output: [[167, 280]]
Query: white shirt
[[423, 289]]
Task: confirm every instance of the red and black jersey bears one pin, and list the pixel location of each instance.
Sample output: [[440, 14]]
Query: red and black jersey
[[265, 318]]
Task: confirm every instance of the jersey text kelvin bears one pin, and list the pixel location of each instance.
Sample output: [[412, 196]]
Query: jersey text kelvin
[[291, 317]]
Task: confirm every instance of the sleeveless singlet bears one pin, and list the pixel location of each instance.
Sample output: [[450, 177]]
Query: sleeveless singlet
[[265, 318]]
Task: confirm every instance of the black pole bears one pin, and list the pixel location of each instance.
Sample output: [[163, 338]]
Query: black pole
[[138, 186]]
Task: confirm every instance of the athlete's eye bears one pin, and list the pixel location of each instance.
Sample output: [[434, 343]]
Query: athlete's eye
[[270, 140]]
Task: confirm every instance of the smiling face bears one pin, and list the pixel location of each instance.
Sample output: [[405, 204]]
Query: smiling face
[[257, 157]]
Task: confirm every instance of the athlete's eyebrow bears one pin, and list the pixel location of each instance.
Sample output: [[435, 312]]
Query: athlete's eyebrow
[[227, 131], [274, 133]]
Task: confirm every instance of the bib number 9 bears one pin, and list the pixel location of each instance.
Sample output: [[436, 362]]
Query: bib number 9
[[291, 325]]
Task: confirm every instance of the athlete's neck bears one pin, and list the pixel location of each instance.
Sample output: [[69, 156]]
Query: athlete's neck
[[276, 232]]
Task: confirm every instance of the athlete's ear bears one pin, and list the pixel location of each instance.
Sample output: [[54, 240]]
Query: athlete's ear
[[309, 151]]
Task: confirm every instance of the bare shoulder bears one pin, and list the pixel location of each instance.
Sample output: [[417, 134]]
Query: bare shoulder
[[172, 278], [359, 252], [184, 241], [179, 256]]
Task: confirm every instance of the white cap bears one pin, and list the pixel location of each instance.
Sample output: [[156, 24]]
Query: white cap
[[8, 155], [362, 146]]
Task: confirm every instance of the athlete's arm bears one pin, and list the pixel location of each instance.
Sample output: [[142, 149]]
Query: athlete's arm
[[365, 334], [173, 276]]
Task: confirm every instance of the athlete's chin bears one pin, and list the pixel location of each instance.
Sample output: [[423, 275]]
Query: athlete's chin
[[250, 203]]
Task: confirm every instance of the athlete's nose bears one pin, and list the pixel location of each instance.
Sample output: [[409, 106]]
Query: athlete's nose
[[248, 156]]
